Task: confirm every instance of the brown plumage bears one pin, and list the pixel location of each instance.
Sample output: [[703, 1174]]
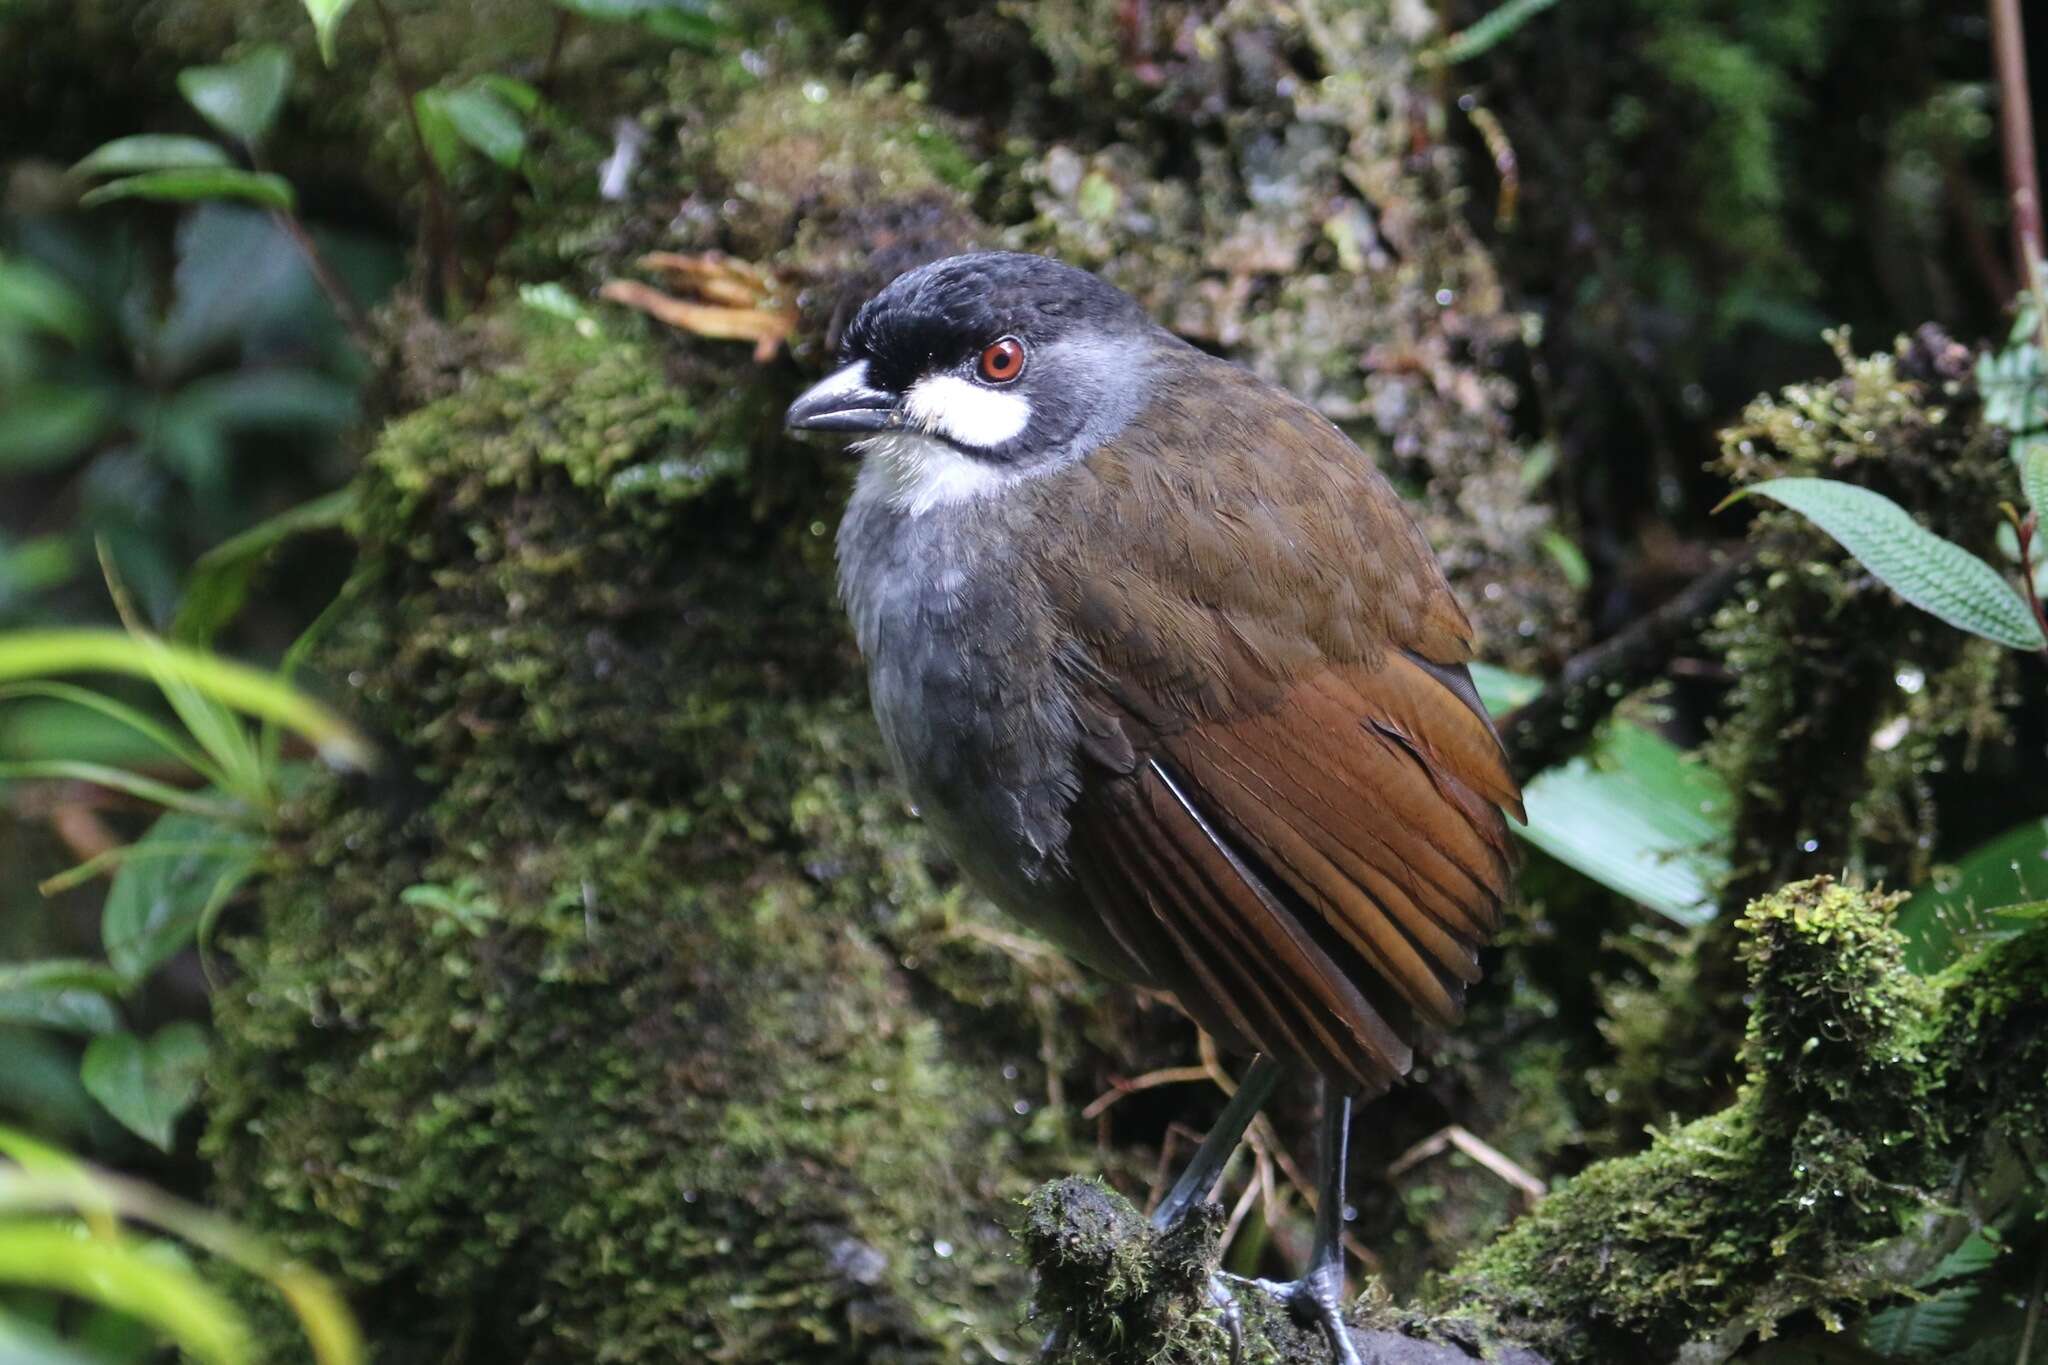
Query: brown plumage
[[1289, 800]]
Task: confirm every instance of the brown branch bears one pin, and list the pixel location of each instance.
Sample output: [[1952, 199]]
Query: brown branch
[[2016, 124], [1557, 723], [439, 227]]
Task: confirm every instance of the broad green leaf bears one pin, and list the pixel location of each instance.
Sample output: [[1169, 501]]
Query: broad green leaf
[[1632, 813], [517, 93], [1637, 816], [477, 118], [242, 98], [129, 1277], [147, 1083], [36, 297], [40, 654], [1935, 575], [326, 16], [59, 993], [2032, 454], [2015, 394], [220, 581], [151, 152], [156, 903], [42, 425], [1989, 890], [199, 183]]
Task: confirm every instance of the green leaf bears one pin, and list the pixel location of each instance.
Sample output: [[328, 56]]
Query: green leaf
[[1989, 890], [176, 872], [147, 1084], [480, 119], [517, 93], [36, 297], [2032, 454], [219, 583], [326, 16], [1492, 29], [40, 654], [151, 152], [1928, 1328], [59, 993], [44, 425], [699, 23], [242, 98], [128, 1276], [1638, 817], [1935, 575], [1633, 813], [186, 186]]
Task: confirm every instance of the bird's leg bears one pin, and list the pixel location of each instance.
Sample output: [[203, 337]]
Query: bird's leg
[[1319, 1293], [1200, 1174]]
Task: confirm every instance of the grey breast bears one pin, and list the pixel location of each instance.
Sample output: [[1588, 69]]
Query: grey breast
[[960, 646]]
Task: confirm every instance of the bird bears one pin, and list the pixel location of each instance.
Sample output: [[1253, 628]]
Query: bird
[[1168, 669]]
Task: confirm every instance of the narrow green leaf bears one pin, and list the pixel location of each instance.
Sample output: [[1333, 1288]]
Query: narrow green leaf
[[135, 784], [119, 712], [147, 1084], [2032, 454], [24, 1343], [59, 993], [1492, 29], [517, 93], [242, 98], [1935, 575], [34, 296], [200, 183], [42, 653], [151, 152], [327, 16], [128, 1277], [220, 581], [697, 22], [156, 904]]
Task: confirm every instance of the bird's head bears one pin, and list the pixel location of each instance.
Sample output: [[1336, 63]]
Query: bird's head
[[973, 372]]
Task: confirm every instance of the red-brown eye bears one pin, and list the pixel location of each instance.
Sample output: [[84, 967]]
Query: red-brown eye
[[1003, 361]]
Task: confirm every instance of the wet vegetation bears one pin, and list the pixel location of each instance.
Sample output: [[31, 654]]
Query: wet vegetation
[[620, 1009]]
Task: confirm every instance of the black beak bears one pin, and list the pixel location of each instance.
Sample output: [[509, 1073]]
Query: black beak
[[843, 401]]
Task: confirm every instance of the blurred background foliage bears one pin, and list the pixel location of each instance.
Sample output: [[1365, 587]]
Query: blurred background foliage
[[238, 240]]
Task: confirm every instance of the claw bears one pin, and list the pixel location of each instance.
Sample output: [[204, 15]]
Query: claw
[[1318, 1296], [1233, 1316]]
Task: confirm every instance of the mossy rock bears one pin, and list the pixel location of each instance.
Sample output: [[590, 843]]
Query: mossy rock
[[582, 1031]]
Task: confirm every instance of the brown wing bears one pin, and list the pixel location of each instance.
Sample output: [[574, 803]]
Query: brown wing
[[1290, 810]]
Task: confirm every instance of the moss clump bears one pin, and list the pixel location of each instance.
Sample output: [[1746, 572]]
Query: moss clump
[[1866, 1089], [585, 1032], [1846, 699]]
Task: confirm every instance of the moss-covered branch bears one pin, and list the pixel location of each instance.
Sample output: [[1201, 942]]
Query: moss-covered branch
[[1875, 1128]]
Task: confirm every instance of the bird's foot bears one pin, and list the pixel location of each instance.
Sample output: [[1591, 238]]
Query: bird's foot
[[1316, 1297]]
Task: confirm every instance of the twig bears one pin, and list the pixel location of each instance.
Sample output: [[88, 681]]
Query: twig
[[1118, 1088], [1559, 720], [440, 240], [1481, 1151], [2033, 1312], [2016, 123]]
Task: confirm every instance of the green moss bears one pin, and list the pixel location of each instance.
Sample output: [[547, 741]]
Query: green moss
[[585, 1031], [1866, 1088]]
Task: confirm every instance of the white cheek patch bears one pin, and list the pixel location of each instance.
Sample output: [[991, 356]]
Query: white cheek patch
[[922, 472], [979, 418]]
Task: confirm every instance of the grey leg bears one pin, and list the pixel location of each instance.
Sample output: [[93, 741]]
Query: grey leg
[[1319, 1293], [1200, 1174]]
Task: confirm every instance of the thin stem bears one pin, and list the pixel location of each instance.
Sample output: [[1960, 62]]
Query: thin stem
[[2016, 121], [346, 306], [2026, 527], [440, 242]]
